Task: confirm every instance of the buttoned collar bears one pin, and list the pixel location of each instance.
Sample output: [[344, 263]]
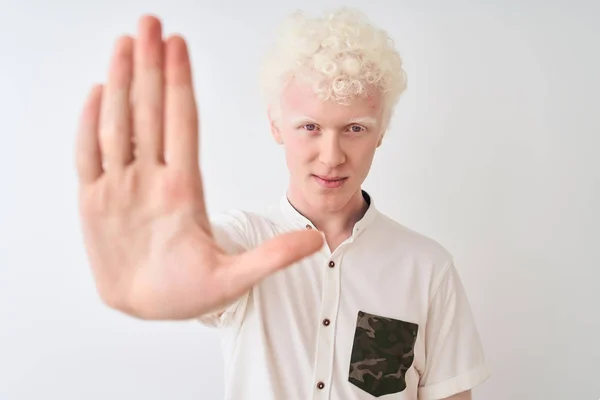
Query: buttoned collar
[[301, 222]]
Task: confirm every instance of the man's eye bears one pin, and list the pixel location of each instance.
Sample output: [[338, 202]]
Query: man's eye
[[310, 127], [356, 128]]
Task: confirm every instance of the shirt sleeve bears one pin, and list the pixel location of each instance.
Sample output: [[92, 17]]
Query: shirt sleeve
[[455, 360], [230, 232]]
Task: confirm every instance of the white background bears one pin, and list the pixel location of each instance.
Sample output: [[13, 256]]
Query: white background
[[493, 152]]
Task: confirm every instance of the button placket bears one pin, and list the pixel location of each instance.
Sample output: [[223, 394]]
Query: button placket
[[326, 330]]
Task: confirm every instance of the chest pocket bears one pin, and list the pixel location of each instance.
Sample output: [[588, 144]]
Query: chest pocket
[[382, 352]]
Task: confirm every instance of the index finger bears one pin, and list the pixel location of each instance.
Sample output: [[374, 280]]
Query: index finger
[[181, 115]]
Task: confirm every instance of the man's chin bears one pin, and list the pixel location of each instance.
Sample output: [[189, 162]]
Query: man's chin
[[330, 200]]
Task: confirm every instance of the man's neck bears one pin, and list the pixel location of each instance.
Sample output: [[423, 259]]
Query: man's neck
[[336, 225]]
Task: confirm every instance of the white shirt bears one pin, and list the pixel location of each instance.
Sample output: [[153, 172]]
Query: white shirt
[[384, 314]]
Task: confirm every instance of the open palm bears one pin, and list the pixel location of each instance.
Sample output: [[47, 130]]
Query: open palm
[[144, 220]]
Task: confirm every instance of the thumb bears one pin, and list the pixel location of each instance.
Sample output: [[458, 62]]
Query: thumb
[[250, 267]]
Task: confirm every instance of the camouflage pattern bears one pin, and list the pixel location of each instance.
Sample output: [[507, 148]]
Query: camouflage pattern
[[383, 351]]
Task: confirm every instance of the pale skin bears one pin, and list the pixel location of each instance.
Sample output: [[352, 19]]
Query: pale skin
[[323, 139], [332, 140], [141, 198]]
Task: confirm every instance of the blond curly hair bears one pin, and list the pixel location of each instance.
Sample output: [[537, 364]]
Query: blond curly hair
[[341, 55]]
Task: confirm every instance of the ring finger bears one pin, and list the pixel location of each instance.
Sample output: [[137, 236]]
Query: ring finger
[[115, 119]]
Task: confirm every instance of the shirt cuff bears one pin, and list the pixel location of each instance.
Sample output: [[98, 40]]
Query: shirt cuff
[[456, 385]]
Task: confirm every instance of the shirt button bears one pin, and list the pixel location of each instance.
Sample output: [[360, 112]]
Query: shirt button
[[326, 322], [331, 264], [320, 385]]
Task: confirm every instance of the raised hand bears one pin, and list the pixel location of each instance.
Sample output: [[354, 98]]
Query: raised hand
[[143, 215]]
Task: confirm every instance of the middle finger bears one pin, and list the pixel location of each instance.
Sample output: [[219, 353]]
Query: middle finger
[[148, 91]]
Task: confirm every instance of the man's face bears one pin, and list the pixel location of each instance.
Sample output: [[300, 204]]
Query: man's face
[[329, 147]]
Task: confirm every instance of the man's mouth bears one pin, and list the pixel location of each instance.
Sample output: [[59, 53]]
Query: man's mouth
[[330, 178], [330, 182]]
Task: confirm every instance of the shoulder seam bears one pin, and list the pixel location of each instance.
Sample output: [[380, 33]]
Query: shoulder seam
[[444, 272]]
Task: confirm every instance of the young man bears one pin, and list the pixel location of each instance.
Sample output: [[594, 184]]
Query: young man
[[321, 297]]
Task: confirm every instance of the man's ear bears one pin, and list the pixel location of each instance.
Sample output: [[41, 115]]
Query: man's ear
[[380, 139], [275, 131]]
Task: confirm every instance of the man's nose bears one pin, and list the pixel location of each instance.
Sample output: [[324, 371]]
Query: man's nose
[[331, 151]]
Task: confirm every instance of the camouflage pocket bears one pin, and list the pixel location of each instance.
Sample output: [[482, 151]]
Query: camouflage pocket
[[382, 352]]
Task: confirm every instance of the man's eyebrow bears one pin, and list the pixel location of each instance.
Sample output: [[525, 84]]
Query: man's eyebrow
[[359, 120], [364, 120], [302, 119]]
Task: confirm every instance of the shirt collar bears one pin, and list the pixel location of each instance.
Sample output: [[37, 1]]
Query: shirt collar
[[300, 221]]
